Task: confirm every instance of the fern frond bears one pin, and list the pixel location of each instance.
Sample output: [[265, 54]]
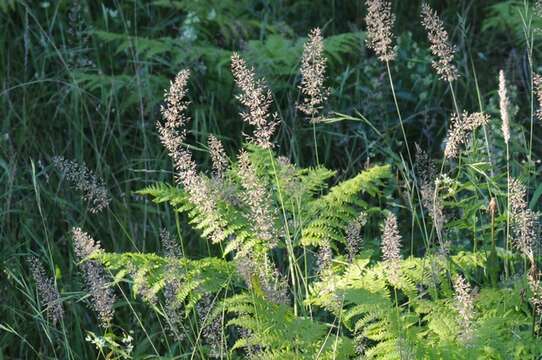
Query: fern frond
[[150, 271], [331, 214], [276, 329]]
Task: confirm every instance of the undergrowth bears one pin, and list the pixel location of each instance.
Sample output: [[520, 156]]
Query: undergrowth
[[364, 206]]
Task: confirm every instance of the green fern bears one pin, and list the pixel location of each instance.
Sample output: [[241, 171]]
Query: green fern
[[422, 320], [279, 334], [331, 214], [149, 273]]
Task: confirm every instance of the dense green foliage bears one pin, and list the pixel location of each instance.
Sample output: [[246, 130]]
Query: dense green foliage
[[85, 80]]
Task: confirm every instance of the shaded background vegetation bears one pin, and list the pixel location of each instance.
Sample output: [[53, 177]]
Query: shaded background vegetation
[[85, 80]]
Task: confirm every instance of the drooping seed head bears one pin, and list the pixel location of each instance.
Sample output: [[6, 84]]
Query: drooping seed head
[[170, 245], [441, 48], [173, 130], [324, 259], [257, 100], [102, 296], [525, 223], [172, 135], [47, 291], [461, 127], [354, 239], [91, 187]]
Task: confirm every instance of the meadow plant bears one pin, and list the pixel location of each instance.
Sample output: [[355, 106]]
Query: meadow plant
[[102, 296], [441, 48], [275, 260], [461, 127], [537, 82], [391, 247], [380, 21], [464, 304], [257, 100], [92, 188], [504, 105], [313, 76], [354, 239], [47, 291]]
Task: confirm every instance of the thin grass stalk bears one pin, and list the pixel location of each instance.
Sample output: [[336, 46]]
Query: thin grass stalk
[[411, 163], [399, 113], [507, 240], [480, 105], [289, 245], [315, 143], [529, 39], [136, 316]]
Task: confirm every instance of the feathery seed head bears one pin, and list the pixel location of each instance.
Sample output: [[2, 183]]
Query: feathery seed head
[[218, 156], [173, 111], [425, 167], [324, 259], [174, 314], [391, 247], [103, 297], [517, 195], [526, 232], [504, 104], [533, 279], [460, 129], [537, 82], [354, 239], [525, 222], [427, 176], [261, 272], [313, 74], [84, 245], [172, 135], [464, 303], [171, 247], [380, 21], [257, 100], [173, 132], [47, 291], [211, 327], [85, 181], [441, 48], [258, 199], [391, 239]]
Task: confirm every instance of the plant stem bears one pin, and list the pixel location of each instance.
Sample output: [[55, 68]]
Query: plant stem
[[289, 245], [315, 143]]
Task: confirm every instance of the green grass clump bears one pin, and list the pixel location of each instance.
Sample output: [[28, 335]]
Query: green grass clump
[[354, 189]]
